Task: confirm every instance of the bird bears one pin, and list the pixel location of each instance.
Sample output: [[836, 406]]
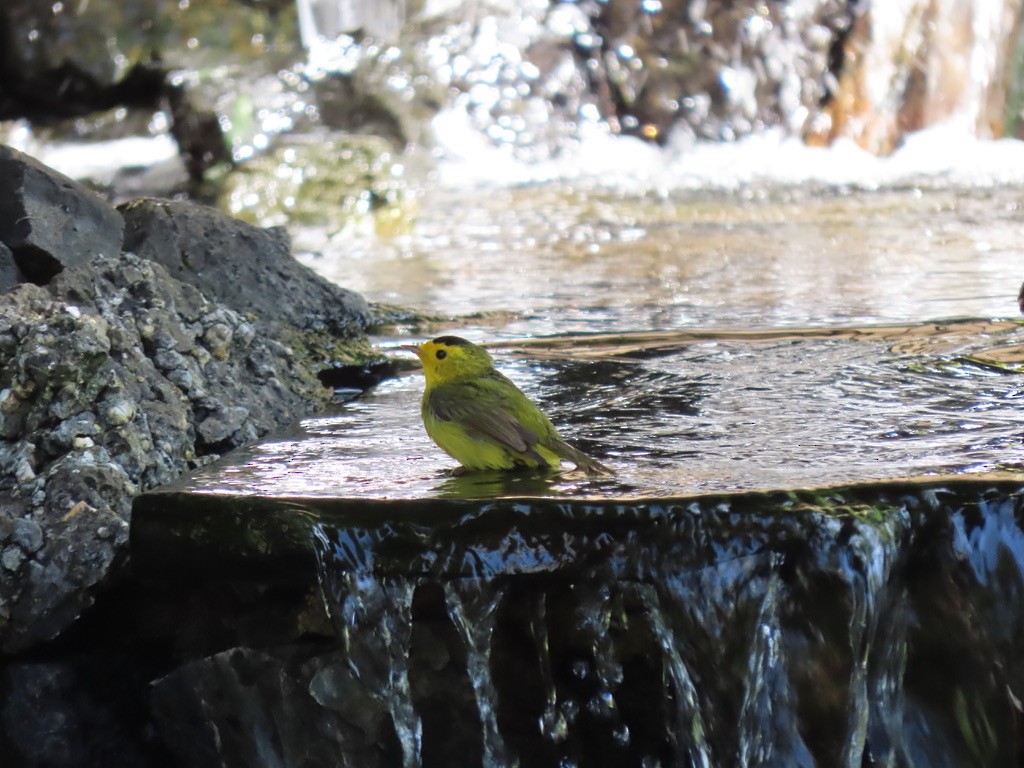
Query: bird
[[480, 418]]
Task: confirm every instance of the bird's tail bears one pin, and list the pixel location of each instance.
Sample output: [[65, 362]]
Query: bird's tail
[[581, 460]]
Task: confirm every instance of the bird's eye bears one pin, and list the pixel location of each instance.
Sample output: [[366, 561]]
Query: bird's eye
[[441, 354]]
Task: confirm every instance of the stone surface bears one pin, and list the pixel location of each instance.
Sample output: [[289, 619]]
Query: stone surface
[[56, 710], [50, 222], [353, 731], [117, 378], [92, 703], [10, 275], [246, 268]]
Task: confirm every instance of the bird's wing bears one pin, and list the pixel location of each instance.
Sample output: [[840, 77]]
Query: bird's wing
[[485, 408]]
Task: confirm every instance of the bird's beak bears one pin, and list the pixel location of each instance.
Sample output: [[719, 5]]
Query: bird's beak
[[414, 348]]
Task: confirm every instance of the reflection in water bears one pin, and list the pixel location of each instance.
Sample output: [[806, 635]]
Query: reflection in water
[[797, 411], [570, 260], [476, 485]]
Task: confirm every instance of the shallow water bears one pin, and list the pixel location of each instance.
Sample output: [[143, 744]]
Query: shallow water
[[829, 398], [568, 259], [713, 630], [712, 415]]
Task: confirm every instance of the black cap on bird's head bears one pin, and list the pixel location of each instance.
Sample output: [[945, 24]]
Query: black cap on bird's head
[[453, 341]]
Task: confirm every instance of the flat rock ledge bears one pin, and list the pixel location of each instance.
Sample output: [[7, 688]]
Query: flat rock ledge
[[135, 345]]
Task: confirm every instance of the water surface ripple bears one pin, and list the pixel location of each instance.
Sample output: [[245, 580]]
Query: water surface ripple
[[710, 416], [800, 384]]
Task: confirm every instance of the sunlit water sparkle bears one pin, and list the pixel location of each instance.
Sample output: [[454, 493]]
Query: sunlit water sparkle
[[560, 258], [714, 416], [575, 256]]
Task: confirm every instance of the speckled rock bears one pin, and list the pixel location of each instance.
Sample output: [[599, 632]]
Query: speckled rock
[[10, 275], [49, 221], [243, 267], [116, 378]]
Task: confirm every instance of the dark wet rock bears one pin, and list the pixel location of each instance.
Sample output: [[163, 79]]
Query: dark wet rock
[[91, 703], [10, 275], [117, 378], [50, 222], [68, 712], [245, 268], [877, 623], [347, 729]]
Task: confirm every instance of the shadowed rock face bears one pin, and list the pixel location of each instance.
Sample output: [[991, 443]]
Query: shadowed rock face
[[62, 60], [871, 624], [244, 267], [48, 221]]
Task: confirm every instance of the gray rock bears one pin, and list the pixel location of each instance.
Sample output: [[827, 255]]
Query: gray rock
[[50, 222], [248, 269], [117, 378], [219, 426], [12, 413], [63, 437], [11, 558], [28, 535], [10, 275], [85, 492]]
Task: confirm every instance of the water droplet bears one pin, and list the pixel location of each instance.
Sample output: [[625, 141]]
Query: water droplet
[[580, 669], [621, 734]]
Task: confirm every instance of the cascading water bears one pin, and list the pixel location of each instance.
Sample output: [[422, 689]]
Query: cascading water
[[532, 75], [875, 625], [917, 64]]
